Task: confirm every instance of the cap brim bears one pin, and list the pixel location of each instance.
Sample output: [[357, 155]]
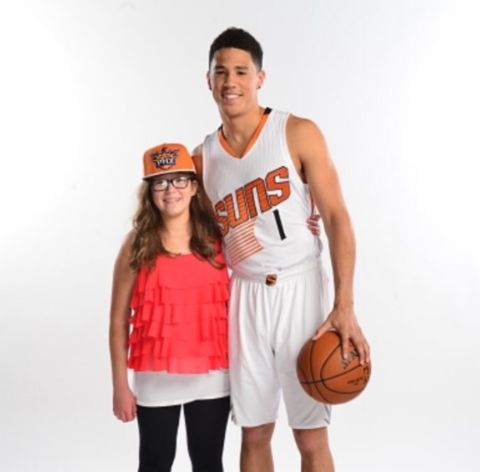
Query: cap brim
[[174, 171]]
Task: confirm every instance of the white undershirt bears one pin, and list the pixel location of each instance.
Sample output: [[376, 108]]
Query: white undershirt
[[164, 388]]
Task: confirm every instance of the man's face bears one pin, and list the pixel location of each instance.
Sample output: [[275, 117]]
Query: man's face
[[234, 80]]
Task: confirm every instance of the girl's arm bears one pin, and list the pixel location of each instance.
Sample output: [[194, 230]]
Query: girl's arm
[[124, 401]]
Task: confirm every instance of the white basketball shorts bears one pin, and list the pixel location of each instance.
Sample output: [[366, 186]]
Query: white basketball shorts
[[268, 325]]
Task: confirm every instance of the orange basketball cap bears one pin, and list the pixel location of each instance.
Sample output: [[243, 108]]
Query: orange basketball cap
[[165, 159]]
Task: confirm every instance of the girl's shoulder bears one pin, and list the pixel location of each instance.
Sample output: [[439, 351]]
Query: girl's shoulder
[[218, 246]]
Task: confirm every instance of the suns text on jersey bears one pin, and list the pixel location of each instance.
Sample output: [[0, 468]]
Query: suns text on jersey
[[258, 195]]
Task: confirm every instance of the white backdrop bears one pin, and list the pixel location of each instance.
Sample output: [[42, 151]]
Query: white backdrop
[[87, 86]]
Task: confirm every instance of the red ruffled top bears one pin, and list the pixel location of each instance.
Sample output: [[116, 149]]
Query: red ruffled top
[[179, 316]]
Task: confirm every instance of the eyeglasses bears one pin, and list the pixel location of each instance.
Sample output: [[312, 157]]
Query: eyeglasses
[[159, 185]]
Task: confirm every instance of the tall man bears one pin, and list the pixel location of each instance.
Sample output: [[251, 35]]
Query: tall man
[[261, 170]]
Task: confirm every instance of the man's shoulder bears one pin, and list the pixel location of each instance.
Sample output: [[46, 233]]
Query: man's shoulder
[[303, 130], [197, 154], [197, 150], [301, 124]]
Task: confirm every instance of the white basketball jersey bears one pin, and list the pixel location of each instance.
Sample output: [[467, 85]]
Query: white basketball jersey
[[260, 202]]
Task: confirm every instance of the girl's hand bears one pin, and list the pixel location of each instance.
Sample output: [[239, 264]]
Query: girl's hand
[[124, 404], [313, 224]]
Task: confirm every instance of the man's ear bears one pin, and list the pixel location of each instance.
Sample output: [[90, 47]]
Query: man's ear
[[261, 79], [208, 80]]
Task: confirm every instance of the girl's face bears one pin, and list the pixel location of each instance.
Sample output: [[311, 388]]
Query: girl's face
[[172, 193]]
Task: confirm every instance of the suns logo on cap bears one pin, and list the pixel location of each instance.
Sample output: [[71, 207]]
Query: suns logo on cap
[[165, 158]]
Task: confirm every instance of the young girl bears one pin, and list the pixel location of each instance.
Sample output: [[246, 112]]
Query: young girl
[[170, 283]]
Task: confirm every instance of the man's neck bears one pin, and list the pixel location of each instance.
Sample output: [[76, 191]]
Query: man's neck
[[238, 130]]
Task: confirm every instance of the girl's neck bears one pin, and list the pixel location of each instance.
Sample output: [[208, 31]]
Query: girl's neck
[[176, 235]]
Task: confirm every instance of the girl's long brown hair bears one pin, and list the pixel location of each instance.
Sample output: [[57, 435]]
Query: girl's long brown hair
[[148, 225]]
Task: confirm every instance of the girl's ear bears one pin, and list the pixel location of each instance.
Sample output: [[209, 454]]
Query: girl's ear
[[194, 187]]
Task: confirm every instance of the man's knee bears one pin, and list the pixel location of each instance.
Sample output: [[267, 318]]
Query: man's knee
[[257, 436], [312, 442]]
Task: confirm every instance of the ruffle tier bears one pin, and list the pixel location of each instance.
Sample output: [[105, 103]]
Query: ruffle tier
[[179, 329]]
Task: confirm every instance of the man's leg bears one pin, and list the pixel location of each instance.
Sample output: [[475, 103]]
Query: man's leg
[[302, 306], [314, 449], [255, 388], [256, 453]]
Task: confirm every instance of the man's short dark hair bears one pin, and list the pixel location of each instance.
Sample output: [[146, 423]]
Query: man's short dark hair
[[240, 39]]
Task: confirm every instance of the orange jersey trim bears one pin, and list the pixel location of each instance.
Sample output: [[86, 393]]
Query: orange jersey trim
[[253, 139]]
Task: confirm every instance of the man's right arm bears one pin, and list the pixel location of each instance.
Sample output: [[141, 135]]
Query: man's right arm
[[197, 160]]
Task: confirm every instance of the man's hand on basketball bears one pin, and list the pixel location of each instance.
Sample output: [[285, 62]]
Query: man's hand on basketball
[[344, 321]]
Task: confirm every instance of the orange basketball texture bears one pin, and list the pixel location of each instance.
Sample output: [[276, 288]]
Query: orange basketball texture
[[325, 375]]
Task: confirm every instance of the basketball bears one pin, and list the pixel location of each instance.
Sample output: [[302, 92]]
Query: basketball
[[325, 375]]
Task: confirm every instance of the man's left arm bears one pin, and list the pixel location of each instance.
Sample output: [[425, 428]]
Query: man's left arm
[[310, 155]]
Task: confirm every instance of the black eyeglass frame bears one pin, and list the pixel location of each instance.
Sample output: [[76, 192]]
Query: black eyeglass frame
[[180, 183]]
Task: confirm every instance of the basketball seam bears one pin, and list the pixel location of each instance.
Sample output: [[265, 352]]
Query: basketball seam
[[311, 371], [327, 359], [353, 391], [305, 382], [300, 368], [326, 362], [336, 375], [331, 389], [323, 391]]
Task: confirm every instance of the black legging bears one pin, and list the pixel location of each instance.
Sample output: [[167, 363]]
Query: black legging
[[206, 423]]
